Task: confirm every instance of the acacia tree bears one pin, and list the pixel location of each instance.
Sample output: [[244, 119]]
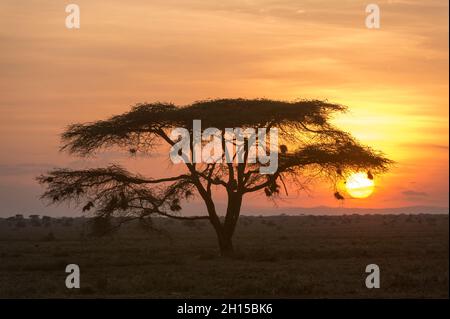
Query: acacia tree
[[311, 145]]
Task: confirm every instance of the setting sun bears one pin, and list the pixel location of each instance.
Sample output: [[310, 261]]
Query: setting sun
[[358, 185], [272, 150]]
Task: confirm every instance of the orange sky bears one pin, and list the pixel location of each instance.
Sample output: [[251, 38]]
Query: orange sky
[[394, 80]]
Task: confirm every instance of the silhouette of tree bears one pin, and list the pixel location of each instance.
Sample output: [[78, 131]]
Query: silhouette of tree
[[304, 126]]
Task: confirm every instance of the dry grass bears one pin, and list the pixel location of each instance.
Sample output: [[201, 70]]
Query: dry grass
[[280, 257]]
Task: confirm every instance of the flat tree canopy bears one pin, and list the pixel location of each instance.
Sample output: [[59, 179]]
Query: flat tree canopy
[[308, 144]]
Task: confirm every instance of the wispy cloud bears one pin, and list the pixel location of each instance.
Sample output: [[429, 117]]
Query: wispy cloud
[[411, 193]]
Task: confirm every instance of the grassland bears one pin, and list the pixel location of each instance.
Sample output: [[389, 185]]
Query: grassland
[[279, 257]]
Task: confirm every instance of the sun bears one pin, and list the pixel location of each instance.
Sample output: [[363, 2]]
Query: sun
[[358, 185]]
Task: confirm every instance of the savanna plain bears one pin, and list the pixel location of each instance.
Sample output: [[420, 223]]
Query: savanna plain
[[276, 257]]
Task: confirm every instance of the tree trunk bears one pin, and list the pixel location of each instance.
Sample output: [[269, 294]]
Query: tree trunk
[[226, 232], [225, 244], [226, 229]]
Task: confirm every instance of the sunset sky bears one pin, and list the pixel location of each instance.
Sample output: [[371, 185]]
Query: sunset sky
[[393, 79]]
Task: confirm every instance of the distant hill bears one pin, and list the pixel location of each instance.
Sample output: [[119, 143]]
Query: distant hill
[[197, 209], [325, 210]]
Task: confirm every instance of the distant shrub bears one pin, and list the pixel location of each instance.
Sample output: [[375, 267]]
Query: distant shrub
[[35, 221], [10, 221], [20, 224], [46, 220], [67, 222]]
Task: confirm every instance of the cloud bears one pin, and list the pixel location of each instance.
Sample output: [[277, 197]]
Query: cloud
[[24, 169], [411, 193], [426, 145]]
